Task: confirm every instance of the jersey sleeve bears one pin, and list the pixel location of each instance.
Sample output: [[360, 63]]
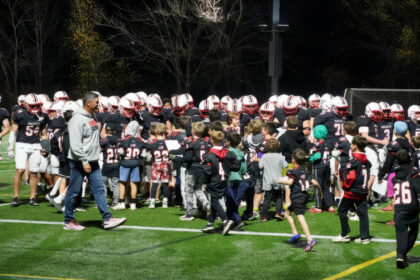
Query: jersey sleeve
[[304, 115], [363, 123], [4, 114]]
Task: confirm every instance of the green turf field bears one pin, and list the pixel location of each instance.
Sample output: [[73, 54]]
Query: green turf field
[[46, 251]]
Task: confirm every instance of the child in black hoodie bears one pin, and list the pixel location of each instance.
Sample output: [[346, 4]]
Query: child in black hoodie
[[292, 139]]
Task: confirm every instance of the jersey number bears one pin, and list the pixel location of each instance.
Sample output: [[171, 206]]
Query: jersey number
[[132, 153], [304, 185], [221, 172], [364, 175], [111, 155], [161, 156], [339, 129], [402, 193], [32, 130]]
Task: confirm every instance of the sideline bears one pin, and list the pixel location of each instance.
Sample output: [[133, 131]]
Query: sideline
[[15, 276]]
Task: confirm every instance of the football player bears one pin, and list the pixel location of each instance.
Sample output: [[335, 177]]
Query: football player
[[414, 121], [152, 115], [291, 108]]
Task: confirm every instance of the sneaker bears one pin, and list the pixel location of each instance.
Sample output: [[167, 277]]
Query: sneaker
[[133, 206], [263, 219], [119, 206], [400, 263], [279, 216], [242, 204], [310, 245], [33, 202], [49, 198], [26, 182], [255, 215], [315, 210], [79, 209], [362, 241], [148, 200], [331, 210], [157, 201], [238, 226], [187, 217], [208, 228], [341, 239], [294, 238], [58, 203], [227, 225], [152, 204], [391, 223], [73, 225], [246, 217], [15, 202], [388, 208], [114, 222], [165, 203]]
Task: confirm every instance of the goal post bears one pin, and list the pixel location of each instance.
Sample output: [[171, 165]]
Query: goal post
[[358, 98]]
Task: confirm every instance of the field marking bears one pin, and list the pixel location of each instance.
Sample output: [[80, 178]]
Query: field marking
[[1, 171], [252, 233], [358, 267], [5, 204], [36, 277]]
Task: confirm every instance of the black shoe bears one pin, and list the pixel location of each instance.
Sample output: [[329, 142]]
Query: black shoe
[[15, 202], [247, 217], [33, 202], [208, 228], [227, 225], [400, 263], [238, 226]]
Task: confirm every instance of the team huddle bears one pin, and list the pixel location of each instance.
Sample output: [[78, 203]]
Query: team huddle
[[225, 153]]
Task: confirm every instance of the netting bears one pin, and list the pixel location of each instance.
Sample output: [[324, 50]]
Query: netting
[[358, 98]]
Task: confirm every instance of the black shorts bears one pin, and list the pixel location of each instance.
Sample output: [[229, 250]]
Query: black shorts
[[298, 205], [64, 170]]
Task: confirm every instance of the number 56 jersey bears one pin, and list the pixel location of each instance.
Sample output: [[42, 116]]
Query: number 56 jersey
[[30, 126]]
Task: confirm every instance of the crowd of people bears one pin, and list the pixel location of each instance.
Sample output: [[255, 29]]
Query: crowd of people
[[211, 159]]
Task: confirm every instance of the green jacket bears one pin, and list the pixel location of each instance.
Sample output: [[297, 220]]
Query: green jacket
[[238, 175]]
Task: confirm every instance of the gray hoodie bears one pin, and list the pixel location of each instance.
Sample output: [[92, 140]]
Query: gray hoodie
[[132, 128], [84, 137]]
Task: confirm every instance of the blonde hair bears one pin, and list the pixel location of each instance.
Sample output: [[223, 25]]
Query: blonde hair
[[198, 128], [217, 137], [255, 127], [160, 129]]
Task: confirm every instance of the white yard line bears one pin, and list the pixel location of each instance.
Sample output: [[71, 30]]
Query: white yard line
[[5, 204], [251, 233]]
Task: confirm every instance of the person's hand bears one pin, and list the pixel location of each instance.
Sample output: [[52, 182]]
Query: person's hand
[[10, 154], [385, 141], [86, 168]]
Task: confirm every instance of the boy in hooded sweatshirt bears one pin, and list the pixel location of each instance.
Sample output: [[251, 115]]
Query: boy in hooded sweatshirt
[[292, 139], [320, 156], [355, 192], [130, 150]]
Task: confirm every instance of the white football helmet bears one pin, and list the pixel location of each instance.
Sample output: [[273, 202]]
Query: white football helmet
[[281, 99], [136, 100], [215, 100], [267, 111], [204, 107], [103, 104], [190, 100], [79, 102], [97, 92], [180, 104], [70, 106], [33, 103], [413, 112], [61, 95], [46, 106], [235, 105], [126, 107], [225, 101], [56, 108], [154, 104], [326, 102], [291, 106], [21, 100], [273, 99], [314, 100], [386, 110], [113, 103], [339, 106], [302, 102], [397, 112], [373, 111], [44, 98], [250, 104]]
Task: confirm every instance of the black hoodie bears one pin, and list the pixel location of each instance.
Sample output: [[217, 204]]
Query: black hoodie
[[407, 187], [291, 140], [391, 163]]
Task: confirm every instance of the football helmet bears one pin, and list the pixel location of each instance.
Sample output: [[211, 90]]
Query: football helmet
[[215, 100], [180, 104], [386, 110], [154, 104], [339, 106], [21, 100], [373, 111], [291, 106], [103, 104], [70, 106], [397, 112], [44, 98], [235, 105], [204, 107], [273, 99], [46, 106], [302, 102], [314, 100], [61, 95], [325, 102], [250, 104], [225, 101], [281, 99], [56, 109], [190, 100], [33, 104], [79, 102], [135, 99], [267, 111], [413, 112], [113, 103], [126, 107]]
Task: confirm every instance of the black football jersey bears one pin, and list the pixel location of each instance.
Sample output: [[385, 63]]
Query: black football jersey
[[416, 158], [54, 125], [133, 147], [109, 147], [102, 117], [159, 151], [171, 116], [386, 129], [4, 114], [343, 145], [15, 108], [146, 120], [30, 126], [119, 121], [60, 144], [218, 164], [179, 136], [414, 128], [391, 163], [334, 125], [373, 128], [314, 112], [301, 182], [195, 149], [321, 147], [245, 119], [302, 115], [405, 197], [362, 170]]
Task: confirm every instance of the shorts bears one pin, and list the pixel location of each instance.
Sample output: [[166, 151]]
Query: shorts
[[54, 165], [299, 205], [258, 186], [28, 152], [64, 170], [147, 172], [131, 174], [161, 172], [45, 164]]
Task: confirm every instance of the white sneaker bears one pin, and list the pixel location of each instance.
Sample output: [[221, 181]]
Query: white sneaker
[[152, 204], [242, 204], [50, 198], [148, 200], [341, 239], [165, 203], [73, 225], [133, 206], [58, 203], [362, 241], [114, 222], [119, 206]]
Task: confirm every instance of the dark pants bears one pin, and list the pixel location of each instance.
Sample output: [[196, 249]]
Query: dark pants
[[406, 232], [322, 176], [216, 193], [234, 194], [362, 212], [278, 195]]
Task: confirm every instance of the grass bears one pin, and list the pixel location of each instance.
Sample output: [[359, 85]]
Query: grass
[[49, 251]]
